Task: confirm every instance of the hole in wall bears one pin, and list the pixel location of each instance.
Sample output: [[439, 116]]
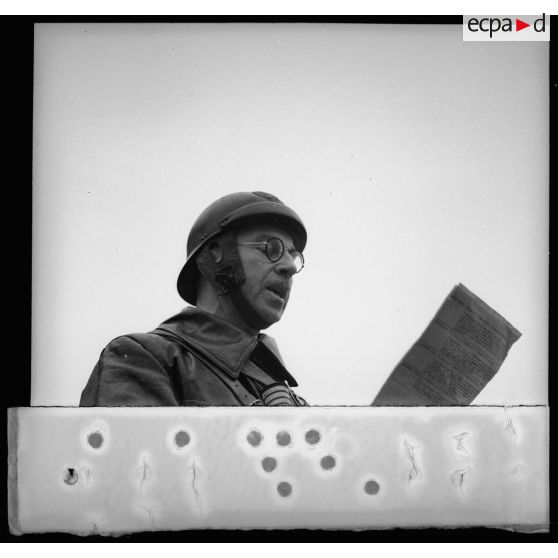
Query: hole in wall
[[269, 464], [285, 489], [254, 438], [283, 438], [312, 436], [371, 487], [95, 440], [328, 462], [70, 476], [182, 438]]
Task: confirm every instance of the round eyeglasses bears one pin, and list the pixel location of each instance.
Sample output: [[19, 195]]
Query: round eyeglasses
[[274, 250]]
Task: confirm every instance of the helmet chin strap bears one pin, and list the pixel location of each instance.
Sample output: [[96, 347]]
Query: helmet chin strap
[[219, 262]]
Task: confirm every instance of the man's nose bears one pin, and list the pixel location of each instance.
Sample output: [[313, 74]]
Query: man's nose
[[286, 265]]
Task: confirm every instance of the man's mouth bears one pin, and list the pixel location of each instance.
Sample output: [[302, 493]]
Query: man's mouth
[[278, 290]]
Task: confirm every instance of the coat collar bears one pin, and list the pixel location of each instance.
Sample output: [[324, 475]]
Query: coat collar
[[229, 346]]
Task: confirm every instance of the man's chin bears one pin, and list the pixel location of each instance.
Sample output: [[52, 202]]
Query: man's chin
[[270, 317]]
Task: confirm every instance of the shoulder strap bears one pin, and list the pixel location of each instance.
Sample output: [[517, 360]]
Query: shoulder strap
[[240, 392], [263, 357]]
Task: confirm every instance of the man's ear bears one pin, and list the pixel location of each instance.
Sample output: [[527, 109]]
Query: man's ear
[[216, 252]]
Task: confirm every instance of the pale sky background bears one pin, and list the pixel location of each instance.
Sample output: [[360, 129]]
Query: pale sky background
[[416, 161]]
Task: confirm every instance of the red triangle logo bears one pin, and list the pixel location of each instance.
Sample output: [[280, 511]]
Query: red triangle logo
[[519, 25]]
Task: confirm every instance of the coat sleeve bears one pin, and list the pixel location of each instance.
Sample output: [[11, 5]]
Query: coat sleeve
[[128, 374]]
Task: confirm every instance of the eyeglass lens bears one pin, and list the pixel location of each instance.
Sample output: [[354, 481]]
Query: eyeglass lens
[[275, 250]]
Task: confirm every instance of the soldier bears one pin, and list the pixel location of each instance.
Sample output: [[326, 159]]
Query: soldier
[[242, 253]]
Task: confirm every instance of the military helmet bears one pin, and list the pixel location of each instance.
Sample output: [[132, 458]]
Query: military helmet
[[228, 212]]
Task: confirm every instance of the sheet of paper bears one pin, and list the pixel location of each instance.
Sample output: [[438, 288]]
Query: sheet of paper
[[457, 355]]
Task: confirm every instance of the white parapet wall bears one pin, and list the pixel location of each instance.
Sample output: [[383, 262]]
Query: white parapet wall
[[125, 470]]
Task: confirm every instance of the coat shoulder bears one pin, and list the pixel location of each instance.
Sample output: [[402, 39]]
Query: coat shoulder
[[132, 344], [134, 370]]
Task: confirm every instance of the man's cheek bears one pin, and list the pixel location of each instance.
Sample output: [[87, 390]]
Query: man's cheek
[[287, 297]]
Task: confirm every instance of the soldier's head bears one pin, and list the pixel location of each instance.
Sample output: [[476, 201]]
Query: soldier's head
[[242, 253]]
